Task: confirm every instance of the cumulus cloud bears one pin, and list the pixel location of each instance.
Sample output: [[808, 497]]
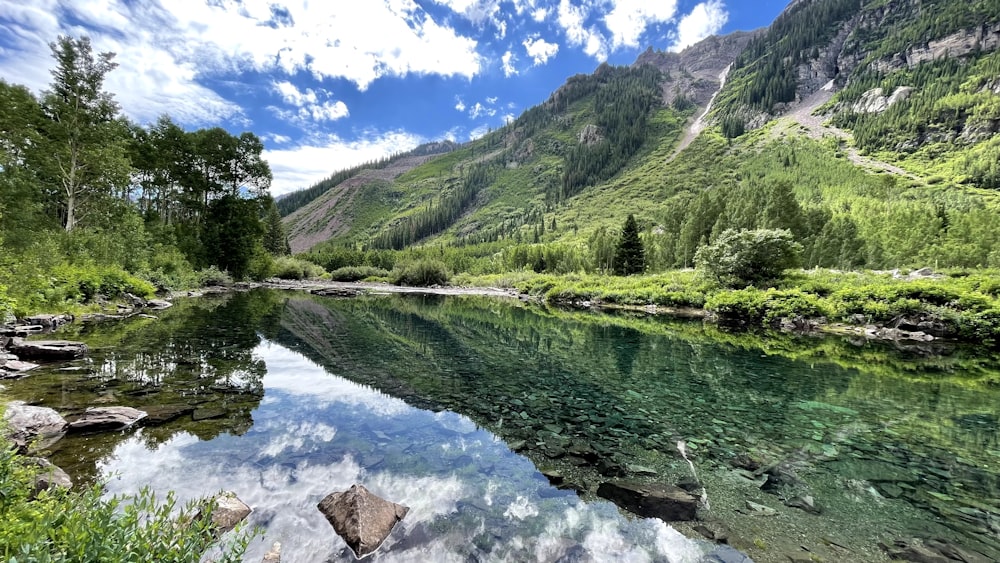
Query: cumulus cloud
[[572, 19], [479, 110], [507, 60], [630, 18], [309, 107], [540, 50], [166, 50], [459, 104], [704, 20], [303, 165]]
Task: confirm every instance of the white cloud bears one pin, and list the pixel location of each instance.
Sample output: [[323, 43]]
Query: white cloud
[[459, 104], [299, 167], [167, 49], [706, 19], [540, 14], [508, 64], [276, 138], [540, 50], [479, 109], [572, 19], [630, 18], [476, 11], [310, 109]]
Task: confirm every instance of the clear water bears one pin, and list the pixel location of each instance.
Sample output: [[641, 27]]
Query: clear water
[[452, 406]]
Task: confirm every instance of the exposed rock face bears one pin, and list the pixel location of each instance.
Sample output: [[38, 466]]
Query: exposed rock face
[[984, 38], [695, 72], [48, 349], [26, 423], [652, 500], [590, 135], [363, 519], [98, 419], [931, 551], [228, 511], [875, 101]]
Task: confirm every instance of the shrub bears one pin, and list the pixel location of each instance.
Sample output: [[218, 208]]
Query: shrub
[[752, 306], [291, 268], [742, 258], [6, 306], [357, 273], [420, 273], [61, 525], [213, 276]]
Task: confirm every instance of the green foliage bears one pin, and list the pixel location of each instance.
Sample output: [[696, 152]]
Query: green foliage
[[232, 235], [357, 273], [63, 526], [749, 257], [421, 273], [7, 305], [291, 268], [756, 307], [629, 255]]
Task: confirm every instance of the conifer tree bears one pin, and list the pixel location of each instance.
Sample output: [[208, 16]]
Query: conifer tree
[[630, 258]]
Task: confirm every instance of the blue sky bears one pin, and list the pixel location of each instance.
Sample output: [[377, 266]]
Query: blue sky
[[332, 83]]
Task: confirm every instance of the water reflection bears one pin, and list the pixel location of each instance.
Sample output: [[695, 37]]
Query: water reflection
[[316, 433]]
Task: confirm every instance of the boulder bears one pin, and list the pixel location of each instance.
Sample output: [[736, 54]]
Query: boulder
[[49, 476], [48, 349], [15, 368], [931, 551], [49, 321], [228, 511], [27, 424], [652, 500], [361, 518], [98, 419], [158, 304]]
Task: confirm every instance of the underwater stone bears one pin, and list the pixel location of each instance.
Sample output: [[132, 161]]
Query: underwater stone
[[96, 419], [26, 423], [652, 500]]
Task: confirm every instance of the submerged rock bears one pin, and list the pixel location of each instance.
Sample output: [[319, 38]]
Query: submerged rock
[[10, 369], [931, 551], [361, 518], [273, 555], [28, 424], [97, 419], [652, 500]]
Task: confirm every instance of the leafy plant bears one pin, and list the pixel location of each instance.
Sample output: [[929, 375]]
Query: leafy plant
[[421, 273], [749, 257]]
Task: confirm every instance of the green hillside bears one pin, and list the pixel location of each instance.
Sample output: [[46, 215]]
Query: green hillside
[[551, 190]]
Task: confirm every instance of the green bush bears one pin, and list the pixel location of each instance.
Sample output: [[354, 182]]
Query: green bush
[[752, 306], [357, 273], [421, 273], [213, 276], [65, 526], [749, 257], [291, 268], [76, 283], [6, 306]]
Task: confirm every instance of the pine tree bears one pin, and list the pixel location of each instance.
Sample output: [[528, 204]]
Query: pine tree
[[630, 257]]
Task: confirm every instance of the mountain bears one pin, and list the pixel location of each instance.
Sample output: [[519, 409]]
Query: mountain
[[867, 128]]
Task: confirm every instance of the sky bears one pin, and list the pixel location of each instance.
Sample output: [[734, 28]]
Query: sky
[[329, 84]]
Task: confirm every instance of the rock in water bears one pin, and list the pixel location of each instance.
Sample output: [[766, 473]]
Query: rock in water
[[96, 419], [48, 349], [228, 511], [49, 476], [26, 423], [652, 500], [363, 519]]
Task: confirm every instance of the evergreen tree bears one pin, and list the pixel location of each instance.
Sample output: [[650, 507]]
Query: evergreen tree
[[630, 257], [275, 239]]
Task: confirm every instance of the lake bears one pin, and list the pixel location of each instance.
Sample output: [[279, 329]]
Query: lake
[[495, 421]]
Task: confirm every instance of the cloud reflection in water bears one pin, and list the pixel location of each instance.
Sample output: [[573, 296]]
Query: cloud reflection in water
[[469, 495]]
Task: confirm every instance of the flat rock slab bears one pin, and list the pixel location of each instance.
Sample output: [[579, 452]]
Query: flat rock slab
[[158, 304], [161, 414], [652, 500], [361, 518], [27, 424], [48, 349], [98, 419], [15, 368]]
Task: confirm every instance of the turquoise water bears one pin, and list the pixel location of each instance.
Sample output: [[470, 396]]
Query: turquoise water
[[455, 406]]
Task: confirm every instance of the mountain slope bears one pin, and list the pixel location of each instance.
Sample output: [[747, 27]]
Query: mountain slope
[[550, 190]]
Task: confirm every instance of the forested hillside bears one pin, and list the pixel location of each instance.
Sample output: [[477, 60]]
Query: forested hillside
[[551, 190]]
